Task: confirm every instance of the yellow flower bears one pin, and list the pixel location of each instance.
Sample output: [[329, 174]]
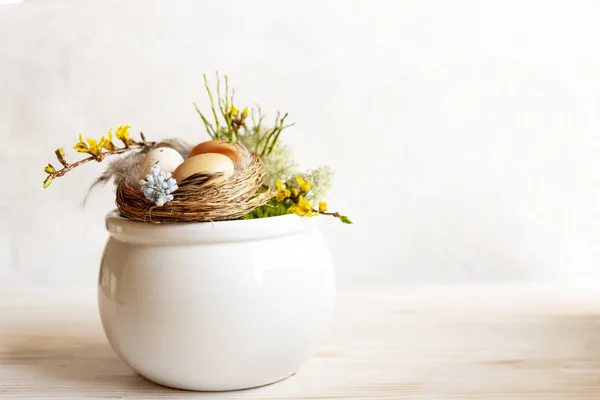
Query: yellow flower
[[283, 192], [81, 146], [304, 185], [295, 192], [303, 208], [322, 206], [245, 112], [279, 185], [234, 111], [49, 169], [122, 133], [107, 143], [298, 211], [95, 147], [305, 204]]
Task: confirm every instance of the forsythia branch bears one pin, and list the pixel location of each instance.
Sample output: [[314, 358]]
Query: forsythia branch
[[293, 194], [96, 151]]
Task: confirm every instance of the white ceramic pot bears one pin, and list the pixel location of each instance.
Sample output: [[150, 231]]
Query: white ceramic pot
[[216, 306]]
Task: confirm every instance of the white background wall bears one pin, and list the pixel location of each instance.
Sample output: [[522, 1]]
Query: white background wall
[[465, 134]]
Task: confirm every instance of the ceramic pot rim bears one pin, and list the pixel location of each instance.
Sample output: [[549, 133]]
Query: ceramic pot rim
[[127, 230]]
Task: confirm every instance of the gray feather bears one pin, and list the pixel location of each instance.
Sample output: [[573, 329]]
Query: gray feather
[[126, 166], [121, 167]]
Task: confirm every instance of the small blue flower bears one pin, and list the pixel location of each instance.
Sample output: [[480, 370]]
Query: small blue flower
[[158, 186]]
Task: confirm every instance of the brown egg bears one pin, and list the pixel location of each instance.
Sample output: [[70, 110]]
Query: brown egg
[[217, 146], [207, 163]]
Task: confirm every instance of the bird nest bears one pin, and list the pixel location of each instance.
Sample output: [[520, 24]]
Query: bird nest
[[200, 198]]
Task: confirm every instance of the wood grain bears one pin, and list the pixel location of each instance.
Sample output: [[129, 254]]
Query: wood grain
[[390, 342]]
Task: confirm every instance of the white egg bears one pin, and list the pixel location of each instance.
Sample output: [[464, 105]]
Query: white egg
[[165, 157]]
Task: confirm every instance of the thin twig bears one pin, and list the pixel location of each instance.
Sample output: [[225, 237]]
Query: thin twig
[[220, 98], [269, 135], [209, 128], [212, 102], [337, 215], [99, 158], [281, 128], [333, 214]]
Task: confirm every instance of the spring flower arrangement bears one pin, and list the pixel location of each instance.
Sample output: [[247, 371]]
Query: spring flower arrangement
[[242, 172]]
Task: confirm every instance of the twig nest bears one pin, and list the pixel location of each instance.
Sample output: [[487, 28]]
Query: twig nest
[[200, 197]]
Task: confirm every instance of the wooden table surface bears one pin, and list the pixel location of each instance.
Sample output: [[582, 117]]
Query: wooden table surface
[[390, 342]]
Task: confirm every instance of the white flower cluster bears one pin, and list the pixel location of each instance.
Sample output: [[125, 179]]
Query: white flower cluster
[[320, 181], [158, 186], [280, 164]]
